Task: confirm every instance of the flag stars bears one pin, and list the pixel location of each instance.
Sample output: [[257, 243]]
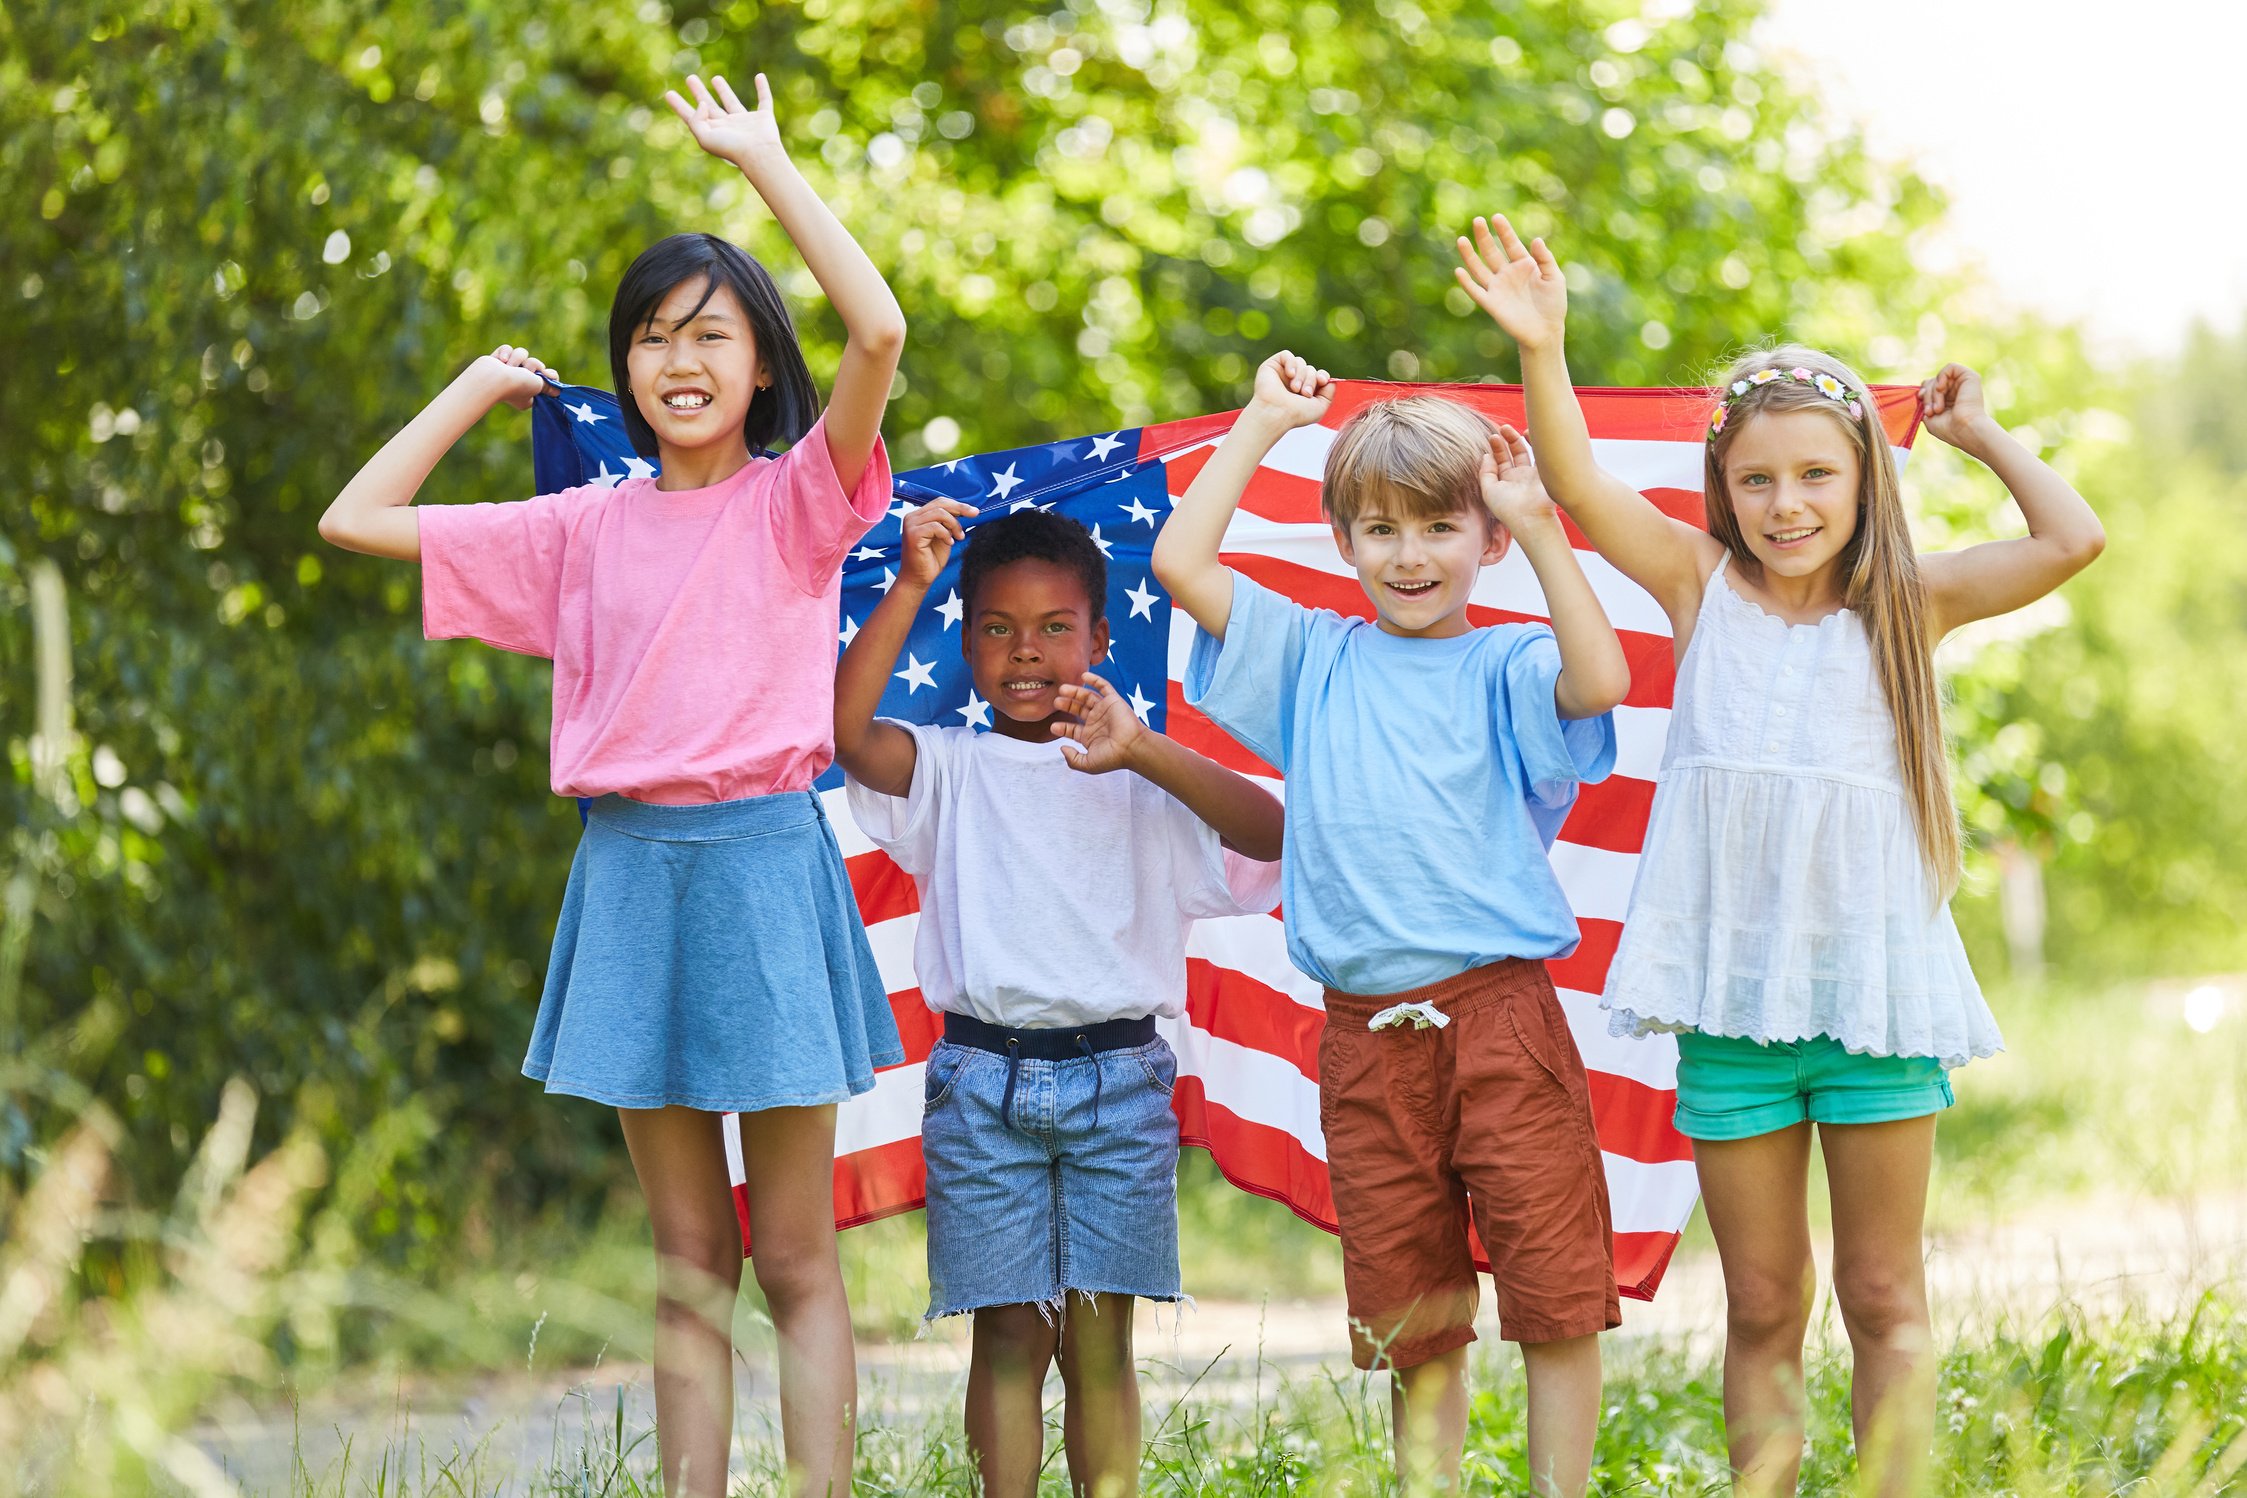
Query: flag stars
[[1139, 513], [1140, 705], [1102, 446], [977, 713], [899, 511], [1107, 547], [849, 631], [584, 412], [1143, 601], [917, 673], [869, 553], [605, 479], [1004, 483], [889, 579], [637, 467], [952, 609]]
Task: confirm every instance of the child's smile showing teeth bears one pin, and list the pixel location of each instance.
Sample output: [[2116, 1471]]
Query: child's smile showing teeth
[[686, 401], [1792, 537], [1414, 587]]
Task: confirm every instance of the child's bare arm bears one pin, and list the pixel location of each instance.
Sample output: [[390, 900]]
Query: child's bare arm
[[750, 139], [2000, 576], [1290, 393], [374, 512], [878, 755], [1525, 293], [1107, 735], [1594, 675]]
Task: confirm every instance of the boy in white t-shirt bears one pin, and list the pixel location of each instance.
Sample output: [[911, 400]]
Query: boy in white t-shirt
[[1055, 901]]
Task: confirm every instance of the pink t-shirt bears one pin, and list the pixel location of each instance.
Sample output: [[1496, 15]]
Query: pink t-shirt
[[693, 633]]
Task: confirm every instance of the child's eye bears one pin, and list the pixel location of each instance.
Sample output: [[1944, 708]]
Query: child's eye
[[1819, 473], [1057, 628]]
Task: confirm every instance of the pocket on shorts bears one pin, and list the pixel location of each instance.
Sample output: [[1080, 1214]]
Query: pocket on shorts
[[1161, 1064], [941, 1074], [1533, 1032]]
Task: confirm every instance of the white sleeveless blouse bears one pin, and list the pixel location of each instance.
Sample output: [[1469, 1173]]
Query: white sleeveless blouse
[[1781, 894]]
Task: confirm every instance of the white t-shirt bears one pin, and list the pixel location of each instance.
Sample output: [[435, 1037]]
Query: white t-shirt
[[1050, 897]]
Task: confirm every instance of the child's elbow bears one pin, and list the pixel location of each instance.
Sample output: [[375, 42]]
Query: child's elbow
[[885, 335], [2086, 548], [334, 529]]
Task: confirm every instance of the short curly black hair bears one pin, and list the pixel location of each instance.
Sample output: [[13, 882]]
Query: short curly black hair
[[1035, 535]]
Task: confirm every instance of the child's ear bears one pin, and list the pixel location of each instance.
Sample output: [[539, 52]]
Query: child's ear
[[1342, 543], [1494, 549], [1100, 642]]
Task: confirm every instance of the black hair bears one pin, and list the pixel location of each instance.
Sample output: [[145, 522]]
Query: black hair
[[782, 413], [1035, 535]]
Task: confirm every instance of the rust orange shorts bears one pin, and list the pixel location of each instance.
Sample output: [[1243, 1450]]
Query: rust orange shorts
[[1489, 1114]]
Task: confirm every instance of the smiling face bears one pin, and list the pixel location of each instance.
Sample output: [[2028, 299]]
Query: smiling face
[[694, 369], [1794, 480], [1420, 570], [1030, 630]]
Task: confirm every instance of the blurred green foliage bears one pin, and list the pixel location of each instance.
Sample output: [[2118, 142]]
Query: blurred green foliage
[[247, 241]]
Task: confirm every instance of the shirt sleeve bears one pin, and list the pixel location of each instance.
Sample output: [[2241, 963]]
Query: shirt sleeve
[[1211, 879], [1556, 756], [814, 521], [905, 827], [1246, 681], [493, 572]]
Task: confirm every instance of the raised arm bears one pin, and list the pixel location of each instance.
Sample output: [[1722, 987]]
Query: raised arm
[[1107, 735], [875, 327], [374, 512], [878, 755], [1290, 393], [1594, 674], [2000, 576], [1525, 293]]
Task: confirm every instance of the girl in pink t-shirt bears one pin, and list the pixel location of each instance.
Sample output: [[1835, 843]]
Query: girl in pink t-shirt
[[709, 957]]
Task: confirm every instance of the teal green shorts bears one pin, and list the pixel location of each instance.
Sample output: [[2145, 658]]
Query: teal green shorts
[[1728, 1088]]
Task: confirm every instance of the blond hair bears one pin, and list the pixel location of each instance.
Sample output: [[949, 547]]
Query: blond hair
[[1415, 458], [1881, 580]]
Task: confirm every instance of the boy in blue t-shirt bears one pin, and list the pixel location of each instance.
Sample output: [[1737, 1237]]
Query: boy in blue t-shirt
[[1429, 764]]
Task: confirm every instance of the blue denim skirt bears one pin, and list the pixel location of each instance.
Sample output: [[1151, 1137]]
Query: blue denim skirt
[[711, 957]]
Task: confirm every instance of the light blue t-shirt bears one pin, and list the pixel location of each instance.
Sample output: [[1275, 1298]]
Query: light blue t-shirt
[[1425, 781]]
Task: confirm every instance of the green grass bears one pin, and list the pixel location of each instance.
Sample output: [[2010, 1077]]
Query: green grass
[[2061, 1408]]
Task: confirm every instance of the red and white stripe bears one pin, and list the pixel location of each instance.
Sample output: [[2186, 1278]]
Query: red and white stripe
[[1248, 1043]]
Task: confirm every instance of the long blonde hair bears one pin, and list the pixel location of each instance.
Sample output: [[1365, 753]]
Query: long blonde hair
[[1881, 585]]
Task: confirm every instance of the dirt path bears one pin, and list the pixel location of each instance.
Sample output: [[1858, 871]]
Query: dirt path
[[2103, 1257]]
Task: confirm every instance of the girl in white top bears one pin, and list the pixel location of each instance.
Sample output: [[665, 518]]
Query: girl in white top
[[1790, 918]]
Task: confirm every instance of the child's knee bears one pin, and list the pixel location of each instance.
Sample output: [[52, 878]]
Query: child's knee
[[1886, 1306], [787, 1277]]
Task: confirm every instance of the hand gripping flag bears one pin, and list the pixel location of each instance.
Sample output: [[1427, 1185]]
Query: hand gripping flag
[[1248, 1043]]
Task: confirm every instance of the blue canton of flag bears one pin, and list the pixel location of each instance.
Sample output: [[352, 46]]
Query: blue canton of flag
[[577, 438]]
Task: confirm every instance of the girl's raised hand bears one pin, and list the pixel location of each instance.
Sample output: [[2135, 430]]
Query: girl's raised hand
[[1105, 731], [514, 376], [1293, 388], [930, 534], [1951, 401], [1521, 287], [723, 127], [1511, 487]]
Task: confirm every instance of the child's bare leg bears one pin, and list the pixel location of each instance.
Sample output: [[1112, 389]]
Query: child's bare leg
[[788, 1155], [1756, 1192], [1100, 1420], [1006, 1369], [1878, 1176], [680, 1157], [1428, 1412], [1564, 1381]]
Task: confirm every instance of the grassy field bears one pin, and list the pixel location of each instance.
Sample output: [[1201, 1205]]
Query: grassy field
[[2107, 1093]]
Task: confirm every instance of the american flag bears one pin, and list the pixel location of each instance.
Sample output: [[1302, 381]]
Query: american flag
[[1248, 1043]]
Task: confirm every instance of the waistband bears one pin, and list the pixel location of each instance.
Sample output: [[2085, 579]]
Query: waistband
[[1068, 1043], [1476, 988], [711, 822]]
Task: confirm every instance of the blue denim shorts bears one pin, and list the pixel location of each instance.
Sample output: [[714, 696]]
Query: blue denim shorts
[[1029, 1204]]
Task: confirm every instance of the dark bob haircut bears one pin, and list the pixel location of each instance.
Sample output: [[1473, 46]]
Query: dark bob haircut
[[1039, 536], [781, 414]]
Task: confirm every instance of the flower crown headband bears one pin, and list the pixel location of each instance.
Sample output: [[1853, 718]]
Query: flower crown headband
[[1825, 384]]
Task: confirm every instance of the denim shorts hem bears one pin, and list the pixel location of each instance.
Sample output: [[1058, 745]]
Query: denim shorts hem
[[707, 1103], [1890, 1106], [1741, 1123]]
